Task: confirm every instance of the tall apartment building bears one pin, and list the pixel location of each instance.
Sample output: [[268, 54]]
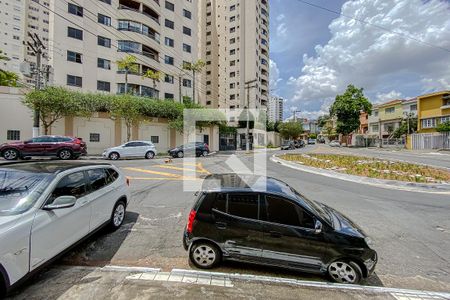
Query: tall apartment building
[[275, 109], [234, 43], [88, 37], [12, 32]]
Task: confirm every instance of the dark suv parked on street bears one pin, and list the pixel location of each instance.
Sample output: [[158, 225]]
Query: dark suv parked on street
[[263, 220], [201, 149], [62, 147]]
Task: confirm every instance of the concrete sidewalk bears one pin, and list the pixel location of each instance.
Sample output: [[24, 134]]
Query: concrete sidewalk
[[111, 282]]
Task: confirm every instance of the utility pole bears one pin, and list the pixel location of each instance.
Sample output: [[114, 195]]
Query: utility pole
[[37, 47], [180, 77], [248, 86]]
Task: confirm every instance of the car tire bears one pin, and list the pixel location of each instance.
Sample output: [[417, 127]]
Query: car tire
[[205, 255], [205, 153], [150, 155], [65, 154], [11, 154], [114, 156], [180, 154], [117, 215], [345, 271]]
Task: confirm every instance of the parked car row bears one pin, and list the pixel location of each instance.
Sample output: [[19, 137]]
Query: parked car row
[[68, 148], [48, 207]]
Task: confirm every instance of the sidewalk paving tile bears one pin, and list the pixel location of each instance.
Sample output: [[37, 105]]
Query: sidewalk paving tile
[[162, 276]]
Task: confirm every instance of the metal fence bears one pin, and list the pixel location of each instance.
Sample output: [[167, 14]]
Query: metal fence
[[422, 141]]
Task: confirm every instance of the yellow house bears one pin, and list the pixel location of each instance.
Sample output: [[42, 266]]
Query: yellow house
[[433, 109], [390, 115]]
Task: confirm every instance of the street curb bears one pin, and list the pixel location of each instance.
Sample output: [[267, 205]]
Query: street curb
[[382, 183]]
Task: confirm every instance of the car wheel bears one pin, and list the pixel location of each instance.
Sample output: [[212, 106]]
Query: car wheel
[[205, 255], [205, 153], [150, 155], [345, 272], [118, 215], [114, 156], [65, 154], [180, 154], [11, 154]]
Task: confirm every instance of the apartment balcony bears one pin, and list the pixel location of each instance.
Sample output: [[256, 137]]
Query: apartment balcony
[[150, 39], [129, 9]]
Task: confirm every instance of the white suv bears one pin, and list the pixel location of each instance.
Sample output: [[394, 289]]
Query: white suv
[[47, 207], [133, 149]]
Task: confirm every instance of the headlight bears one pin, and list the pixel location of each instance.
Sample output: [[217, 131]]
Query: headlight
[[368, 241]]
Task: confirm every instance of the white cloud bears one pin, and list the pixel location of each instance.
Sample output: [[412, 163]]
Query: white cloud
[[370, 57], [282, 30], [274, 74], [280, 17], [385, 97]]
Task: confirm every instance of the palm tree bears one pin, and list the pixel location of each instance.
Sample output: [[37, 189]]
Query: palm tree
[[154, 76], [129, 65], [194, 67]]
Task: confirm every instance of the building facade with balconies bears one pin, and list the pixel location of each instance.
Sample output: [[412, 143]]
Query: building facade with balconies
[[275, 109], [234, 41], [433, 109], [89, 37]]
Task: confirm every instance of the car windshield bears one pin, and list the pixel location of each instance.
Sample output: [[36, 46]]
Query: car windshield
[[314, 206], [19, 190]]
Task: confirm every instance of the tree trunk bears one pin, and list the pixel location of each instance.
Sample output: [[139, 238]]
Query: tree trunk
[[126, 80], [193, 86], [46, 127], [129, 131]]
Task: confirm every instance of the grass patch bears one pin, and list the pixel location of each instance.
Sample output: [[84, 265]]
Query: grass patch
[[371, 167]]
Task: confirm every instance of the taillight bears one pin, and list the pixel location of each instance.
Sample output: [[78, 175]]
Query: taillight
[[191, 219], [78, 141]]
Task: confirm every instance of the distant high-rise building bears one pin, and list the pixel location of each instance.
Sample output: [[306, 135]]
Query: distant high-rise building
[[234, 41], [275, 109]]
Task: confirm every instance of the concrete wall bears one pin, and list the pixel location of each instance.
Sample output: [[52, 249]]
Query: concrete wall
[[14, 115]]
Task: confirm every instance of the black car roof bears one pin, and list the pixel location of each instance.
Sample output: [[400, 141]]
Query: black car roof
[[50, 167], [245, 183]]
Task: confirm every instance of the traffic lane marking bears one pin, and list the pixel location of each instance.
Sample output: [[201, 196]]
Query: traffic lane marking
[[182, 169], [152, 172], [166, 178]]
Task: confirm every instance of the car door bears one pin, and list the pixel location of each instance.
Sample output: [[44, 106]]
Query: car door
[[101, 197], [289, 236], [237, 221], [141, 149], [53, 231], [34, 147], [50, 145], [130, 150]]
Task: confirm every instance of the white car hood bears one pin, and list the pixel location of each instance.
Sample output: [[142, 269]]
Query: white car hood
[[6, 222]]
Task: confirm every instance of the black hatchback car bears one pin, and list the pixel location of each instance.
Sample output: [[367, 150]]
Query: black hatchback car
[[263, 220], [200, 149]]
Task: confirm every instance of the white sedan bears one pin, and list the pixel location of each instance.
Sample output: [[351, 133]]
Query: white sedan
[[47, 207], [334, 144], [133, 149]]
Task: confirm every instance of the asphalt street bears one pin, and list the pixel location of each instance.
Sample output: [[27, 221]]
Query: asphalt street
[[411, 230]]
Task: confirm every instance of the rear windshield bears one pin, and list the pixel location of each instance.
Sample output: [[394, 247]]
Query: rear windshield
[[19, 190]]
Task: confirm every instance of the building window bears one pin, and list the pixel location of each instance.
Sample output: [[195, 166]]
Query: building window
[[232, 7], [105, 20], [187, 31], [169, 79], [169, 42], [154, 139], [169, 96], [74, 81], [103, 41], [232, 29], [103, 86], [75, 33], [169, 24], [445, 119], [13, 135], [169, 60], [413, 107], [106, 1], [94, 137], [187, 48], [187, 83], [389, 110], [232, 19], [232, 52], [232, 41], [74, 57], [187, 14], [104, 63], [75, 10], [170, 6], [428, 123], [232, 63]]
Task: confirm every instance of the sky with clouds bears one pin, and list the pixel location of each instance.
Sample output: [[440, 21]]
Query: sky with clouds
[[394, 49]]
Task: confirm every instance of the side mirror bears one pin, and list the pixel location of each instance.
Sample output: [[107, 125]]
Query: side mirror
[[318, 227], [61, 202]]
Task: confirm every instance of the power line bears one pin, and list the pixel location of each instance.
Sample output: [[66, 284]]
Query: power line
[[374, 25]]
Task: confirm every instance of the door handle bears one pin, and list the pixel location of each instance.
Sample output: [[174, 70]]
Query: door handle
[[275, 234], [221, 225]]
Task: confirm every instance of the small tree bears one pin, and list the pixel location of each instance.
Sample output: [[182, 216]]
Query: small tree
[[54, 103], [7, 78], [127, 108], [347, 108], [443, 127], [128, 64], [194, 67], [154, 76], [290, 130]]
